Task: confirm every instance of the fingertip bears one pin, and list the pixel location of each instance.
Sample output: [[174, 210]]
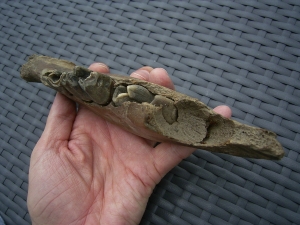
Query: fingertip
[[147, 68], [62, 108], [168, 155], [62, 103], [223, 110], [160, 76], [157, 76], [141, 74], [99, 67], [60, 118]]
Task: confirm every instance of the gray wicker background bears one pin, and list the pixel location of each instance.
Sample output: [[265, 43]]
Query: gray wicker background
[[244, 54]]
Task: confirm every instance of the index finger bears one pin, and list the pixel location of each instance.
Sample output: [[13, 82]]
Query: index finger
[[157, 76]]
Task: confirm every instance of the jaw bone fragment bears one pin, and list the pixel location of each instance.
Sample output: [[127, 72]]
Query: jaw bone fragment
[[152, 111]]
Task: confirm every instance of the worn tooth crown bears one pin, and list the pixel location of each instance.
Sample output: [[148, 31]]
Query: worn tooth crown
[[50, 77], [119, 90], [139, 93], [123, 97], [70, 82], [98, 87], [81, 72]]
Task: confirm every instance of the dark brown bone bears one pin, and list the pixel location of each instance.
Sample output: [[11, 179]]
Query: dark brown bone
[[192, 124]]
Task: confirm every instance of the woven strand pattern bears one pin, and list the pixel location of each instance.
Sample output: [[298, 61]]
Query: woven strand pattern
[[243, 54]]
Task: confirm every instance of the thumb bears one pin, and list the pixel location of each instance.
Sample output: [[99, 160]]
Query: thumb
[[168, 155], [60, 122]]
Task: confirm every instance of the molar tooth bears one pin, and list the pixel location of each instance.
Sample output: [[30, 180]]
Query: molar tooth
[[51, 77], [120, 89], [139, 93], [123, 97], [98, 86], [81, 72], [70, 82], [169, 111]]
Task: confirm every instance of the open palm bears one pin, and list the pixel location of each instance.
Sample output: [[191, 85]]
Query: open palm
[[85, 170]]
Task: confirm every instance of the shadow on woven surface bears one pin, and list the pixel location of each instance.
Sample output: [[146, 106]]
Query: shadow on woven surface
[[245, 55]]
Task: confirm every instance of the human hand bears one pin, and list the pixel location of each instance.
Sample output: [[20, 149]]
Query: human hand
[[85, 170]]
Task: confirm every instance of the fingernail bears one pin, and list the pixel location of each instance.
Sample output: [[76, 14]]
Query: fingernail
[[99, 67], [102, 65], [141, 74], [148, 68], [161, 71]]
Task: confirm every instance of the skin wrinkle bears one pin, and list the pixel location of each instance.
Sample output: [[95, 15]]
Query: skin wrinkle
[[63, 151], [72, 150], [147, 151], [121, 191], [115, 201], [155, 166], [87, 186], [108, 185], [45, 193], [54, 143], [90, 211], [133, 198], [151, 167], [83, 179], [51, 200], [138, 179], [56, 115], [91, 189]]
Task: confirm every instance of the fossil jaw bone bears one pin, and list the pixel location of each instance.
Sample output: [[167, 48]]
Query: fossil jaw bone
[[152, 111]]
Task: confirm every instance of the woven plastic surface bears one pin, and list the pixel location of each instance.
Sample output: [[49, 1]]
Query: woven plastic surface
[[244, 54]]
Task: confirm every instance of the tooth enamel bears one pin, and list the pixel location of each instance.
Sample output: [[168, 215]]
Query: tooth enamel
[[123, 97], [98, 87], [139, 93]]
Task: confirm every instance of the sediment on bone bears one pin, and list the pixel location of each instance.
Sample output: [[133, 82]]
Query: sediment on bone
[[169, 111], [140, 94]]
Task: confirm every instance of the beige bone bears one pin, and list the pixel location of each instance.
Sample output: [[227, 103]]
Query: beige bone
[[191, 122]]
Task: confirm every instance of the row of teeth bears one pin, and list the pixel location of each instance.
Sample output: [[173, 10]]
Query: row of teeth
[[89, 86], [138, 93]]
